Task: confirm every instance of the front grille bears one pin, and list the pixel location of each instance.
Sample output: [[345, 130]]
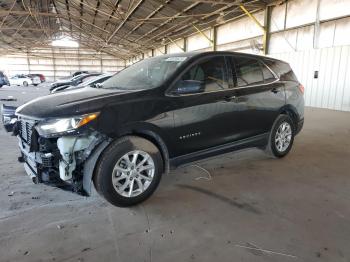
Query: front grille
[[47, 159], [26, 130]]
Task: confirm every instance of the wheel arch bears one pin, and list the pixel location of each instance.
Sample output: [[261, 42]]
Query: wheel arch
[[291, 111], [156, 138]]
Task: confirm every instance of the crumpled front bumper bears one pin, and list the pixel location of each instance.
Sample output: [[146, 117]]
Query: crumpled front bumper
[[34, 165]]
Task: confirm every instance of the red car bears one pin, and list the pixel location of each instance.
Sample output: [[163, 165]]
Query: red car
[[41, 76]]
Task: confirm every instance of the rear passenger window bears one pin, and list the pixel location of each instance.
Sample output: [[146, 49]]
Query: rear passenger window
[[248, 72]]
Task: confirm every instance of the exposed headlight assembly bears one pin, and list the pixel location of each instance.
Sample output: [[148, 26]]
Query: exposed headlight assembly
[[59, 126]]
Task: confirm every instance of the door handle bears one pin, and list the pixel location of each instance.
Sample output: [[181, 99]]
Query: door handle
[[274, 90]]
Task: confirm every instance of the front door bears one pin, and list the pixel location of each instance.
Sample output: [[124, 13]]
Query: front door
[[202, 95]]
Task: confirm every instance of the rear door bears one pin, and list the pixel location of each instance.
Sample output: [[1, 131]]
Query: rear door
[[259, 95]]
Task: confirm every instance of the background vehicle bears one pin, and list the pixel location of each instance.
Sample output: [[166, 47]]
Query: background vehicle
[[41, 77], [8, 117], [3, 79], [24, 80], [79, 72], [159, 113], [86, 82], [74, 81]]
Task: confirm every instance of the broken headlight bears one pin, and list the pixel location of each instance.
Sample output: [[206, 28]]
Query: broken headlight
[[59, 126]]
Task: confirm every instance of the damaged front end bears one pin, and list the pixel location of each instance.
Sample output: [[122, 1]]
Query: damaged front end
[[60, 152]]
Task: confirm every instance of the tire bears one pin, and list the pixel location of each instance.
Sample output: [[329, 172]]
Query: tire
[[112, 183], [279, 146], [25, 83]]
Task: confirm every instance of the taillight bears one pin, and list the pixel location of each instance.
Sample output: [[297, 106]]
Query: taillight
[[301, 88]]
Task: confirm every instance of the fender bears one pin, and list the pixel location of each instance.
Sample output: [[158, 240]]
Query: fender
[[153, 133], [90, 163], [291, 111]]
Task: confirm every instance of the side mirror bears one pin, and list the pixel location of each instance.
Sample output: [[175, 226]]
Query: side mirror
[[189, 87]]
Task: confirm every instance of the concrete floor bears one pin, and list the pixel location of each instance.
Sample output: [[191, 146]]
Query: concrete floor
[[295, 209]]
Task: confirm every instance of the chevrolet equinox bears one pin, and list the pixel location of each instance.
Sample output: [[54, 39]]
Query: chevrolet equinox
[[155, 115]]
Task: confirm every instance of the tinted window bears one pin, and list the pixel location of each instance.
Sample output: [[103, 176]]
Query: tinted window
[[268, 76], [207, 76], [282, 69], [248, 72]]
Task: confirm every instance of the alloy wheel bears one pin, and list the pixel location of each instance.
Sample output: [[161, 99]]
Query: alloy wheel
[[133, 173], [283, 137]]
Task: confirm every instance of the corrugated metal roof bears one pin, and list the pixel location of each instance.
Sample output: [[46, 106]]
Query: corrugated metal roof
[[123, 28]]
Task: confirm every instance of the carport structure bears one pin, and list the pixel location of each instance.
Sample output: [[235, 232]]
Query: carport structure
[[123, 28], [244, 206]]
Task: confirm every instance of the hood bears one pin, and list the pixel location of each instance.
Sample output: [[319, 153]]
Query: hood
[[74, 102]]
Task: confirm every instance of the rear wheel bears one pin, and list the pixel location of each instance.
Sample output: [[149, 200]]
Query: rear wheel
[[25, 83], [281, 137], [129, 171]]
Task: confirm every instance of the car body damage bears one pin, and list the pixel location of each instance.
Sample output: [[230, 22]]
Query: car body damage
[[59, 161]]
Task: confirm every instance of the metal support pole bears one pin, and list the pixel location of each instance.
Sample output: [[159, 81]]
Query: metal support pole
[[185, 44], [267, 29], [53, 64], [215, 35], [28, 62], [317, 25]]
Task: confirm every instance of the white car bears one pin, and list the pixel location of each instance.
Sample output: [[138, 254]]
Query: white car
[[24, 80]]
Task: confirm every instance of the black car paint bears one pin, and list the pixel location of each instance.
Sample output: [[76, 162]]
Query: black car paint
[[187, 127]]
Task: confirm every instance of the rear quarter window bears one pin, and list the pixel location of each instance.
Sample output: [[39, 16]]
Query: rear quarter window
[[282, 70]]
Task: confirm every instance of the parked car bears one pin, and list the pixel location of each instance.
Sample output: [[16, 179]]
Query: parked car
[[8, 117], [79, 72], [159, 113], [41, 77], [89, 81], [3, 80], [24, 80], [74, 81]]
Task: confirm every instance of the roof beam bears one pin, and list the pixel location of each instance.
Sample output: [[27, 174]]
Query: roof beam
[[131, 12]]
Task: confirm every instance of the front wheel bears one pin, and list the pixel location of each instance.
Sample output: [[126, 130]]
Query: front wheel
[[129, 171], [281, 137], [25, 83]]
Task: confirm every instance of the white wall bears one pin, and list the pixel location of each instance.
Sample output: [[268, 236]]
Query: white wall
[[57, 63], [332, 88]]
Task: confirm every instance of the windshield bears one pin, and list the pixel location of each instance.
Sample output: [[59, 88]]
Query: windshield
[[146, 74]]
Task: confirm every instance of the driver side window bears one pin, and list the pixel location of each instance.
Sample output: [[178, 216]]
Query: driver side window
[[207, 76]]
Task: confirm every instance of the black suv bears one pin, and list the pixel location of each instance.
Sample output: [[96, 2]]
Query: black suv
[[157, 114]]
